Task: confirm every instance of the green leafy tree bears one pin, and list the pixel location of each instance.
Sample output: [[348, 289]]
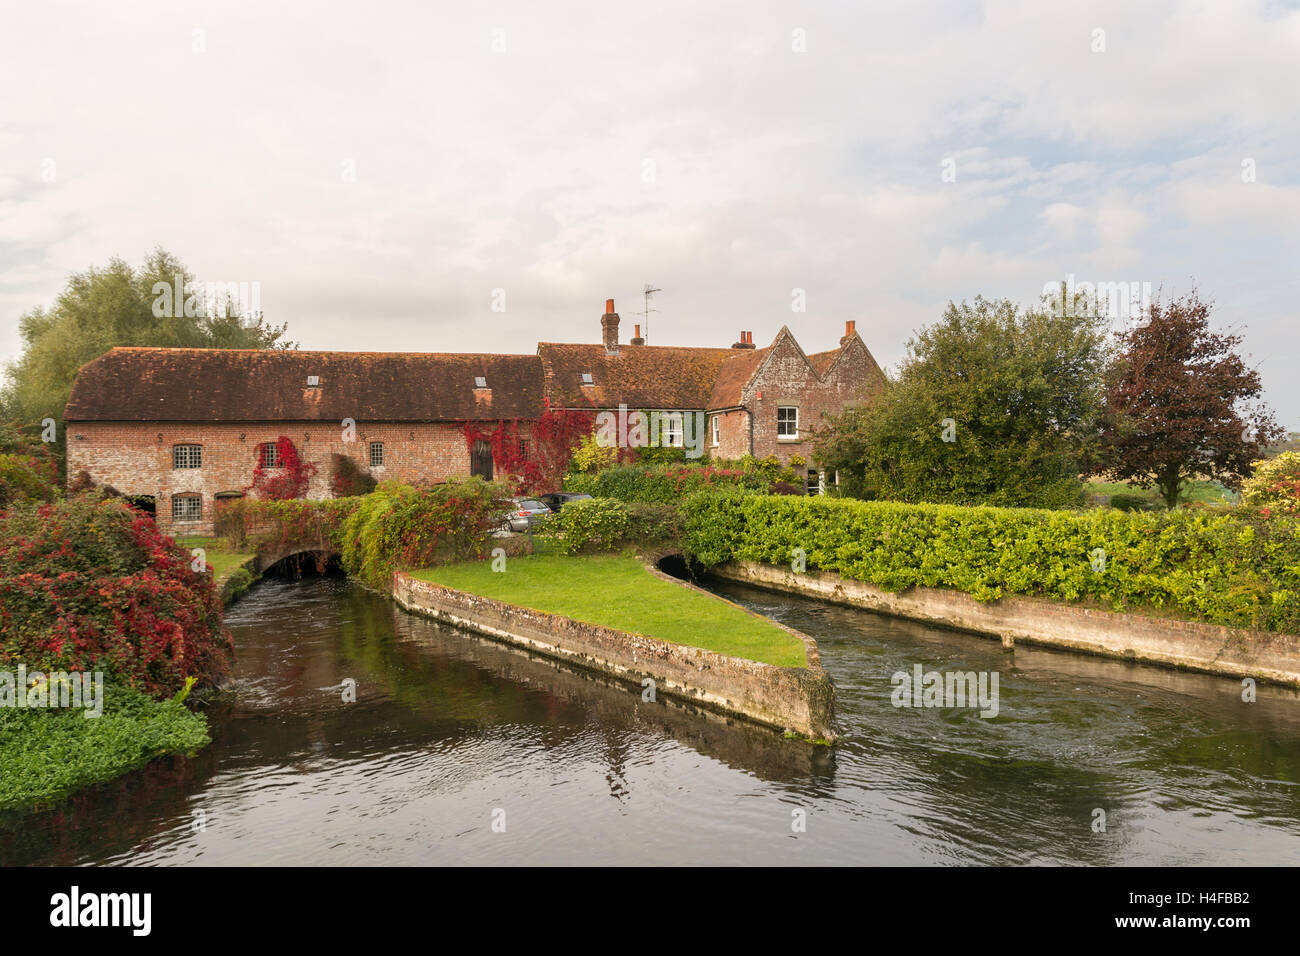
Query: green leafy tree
[[111, 306], [992, 405]]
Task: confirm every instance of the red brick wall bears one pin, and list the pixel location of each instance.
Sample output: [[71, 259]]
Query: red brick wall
[[136, 459], [786, 378], [733, 435]]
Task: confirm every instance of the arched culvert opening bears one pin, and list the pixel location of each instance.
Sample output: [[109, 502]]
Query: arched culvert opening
[[679, 566], [304, 564]]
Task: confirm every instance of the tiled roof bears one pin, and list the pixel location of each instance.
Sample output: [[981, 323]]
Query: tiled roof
[[822, 361], [234, 385], [639, 376], [734, 376]]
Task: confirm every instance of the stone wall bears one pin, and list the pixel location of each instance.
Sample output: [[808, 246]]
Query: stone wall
[[1209, 648], [800, 700]]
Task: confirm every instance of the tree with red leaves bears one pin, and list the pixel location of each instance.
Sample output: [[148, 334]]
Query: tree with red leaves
[[1182, 404], [535, 456]]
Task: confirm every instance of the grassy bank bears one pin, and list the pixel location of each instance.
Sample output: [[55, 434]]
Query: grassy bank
[[49, 753], [617, 591], [223, 560]]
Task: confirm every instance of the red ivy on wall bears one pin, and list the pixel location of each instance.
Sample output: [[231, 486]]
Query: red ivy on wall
[[535, 455], [288, 479]]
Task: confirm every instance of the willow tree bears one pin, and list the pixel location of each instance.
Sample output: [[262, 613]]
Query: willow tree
[[111, 306]]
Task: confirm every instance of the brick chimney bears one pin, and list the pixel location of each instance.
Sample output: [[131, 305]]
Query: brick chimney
[[636, 339], [746, 341], [850, 329], [609, 328]]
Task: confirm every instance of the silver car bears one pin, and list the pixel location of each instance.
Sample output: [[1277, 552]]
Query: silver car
[[525, 514]]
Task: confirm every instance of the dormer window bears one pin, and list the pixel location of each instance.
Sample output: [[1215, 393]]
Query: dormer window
[[313, 381], [480, 382], [586, 378]]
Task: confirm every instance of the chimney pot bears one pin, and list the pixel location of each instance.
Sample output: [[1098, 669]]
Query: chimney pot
[[850, 326], [609, 306]]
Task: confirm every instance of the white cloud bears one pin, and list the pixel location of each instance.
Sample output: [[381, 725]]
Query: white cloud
[[525, 170]]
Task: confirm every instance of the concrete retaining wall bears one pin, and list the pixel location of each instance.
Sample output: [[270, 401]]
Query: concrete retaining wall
[[785, 698], [1210, 648]]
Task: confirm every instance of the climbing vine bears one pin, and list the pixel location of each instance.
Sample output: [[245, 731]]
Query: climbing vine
[[285, 480], [535, 455]]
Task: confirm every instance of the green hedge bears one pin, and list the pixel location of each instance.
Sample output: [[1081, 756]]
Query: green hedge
[[600, 524], [663, 484], [1209, 566]]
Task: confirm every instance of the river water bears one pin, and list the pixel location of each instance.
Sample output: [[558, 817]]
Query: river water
[[458, 750]]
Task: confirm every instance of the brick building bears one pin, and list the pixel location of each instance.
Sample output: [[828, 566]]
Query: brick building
[[187, 427]]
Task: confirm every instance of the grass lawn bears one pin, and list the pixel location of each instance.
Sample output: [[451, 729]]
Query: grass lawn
[[221, 561], [47, 754], [617, 591], [1205, 492]]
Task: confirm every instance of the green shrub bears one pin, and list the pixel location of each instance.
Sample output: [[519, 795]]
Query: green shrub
[[24, 479], [46, 754], [1133, 503], [665, 484], [1206, 565], [1275, 485], [650, 523], [594, 524], [399, 527]]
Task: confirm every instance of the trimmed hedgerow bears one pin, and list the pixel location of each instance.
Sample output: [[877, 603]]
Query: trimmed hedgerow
[[1209, 566], [664, 484]]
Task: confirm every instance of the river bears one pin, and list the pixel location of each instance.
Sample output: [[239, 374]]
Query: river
[[458, 750]]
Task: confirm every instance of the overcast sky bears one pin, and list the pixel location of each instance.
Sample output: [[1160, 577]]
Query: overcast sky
[[381, 168]]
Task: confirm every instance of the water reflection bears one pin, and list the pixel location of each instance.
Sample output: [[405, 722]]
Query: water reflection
[[448, 728]]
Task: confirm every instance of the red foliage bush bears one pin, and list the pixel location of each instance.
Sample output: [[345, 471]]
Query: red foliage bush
[[91, 584]]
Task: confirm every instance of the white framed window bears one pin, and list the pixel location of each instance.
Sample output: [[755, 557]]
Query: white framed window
[[268, 454], [717, 428], [376, 454], [187, 456], [480, 381], [672, 430], [787, 421], [187, 507]]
